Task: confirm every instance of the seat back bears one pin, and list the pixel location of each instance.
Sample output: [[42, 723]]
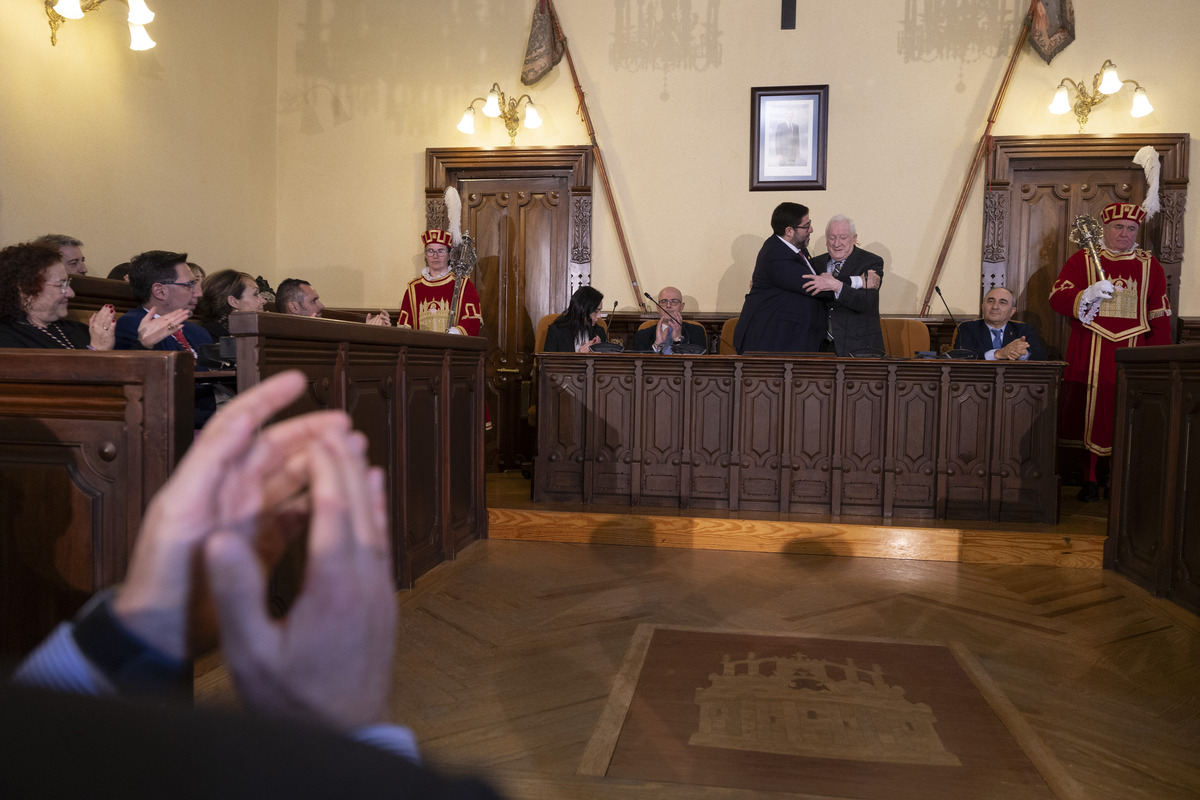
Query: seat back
[[727, 348], [904, 337], [539, 339]]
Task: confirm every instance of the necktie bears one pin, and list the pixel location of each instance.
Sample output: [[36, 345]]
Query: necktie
[[179, 337], [997, 339], [835, 267]]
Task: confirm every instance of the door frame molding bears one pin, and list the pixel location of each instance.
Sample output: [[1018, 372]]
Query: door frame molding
[[447, 166], [1009, 154]]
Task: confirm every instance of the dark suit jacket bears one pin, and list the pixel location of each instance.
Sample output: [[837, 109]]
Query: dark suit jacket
[[561, 340], [14, 334], [127, 334], [643, 340], [777, 315], [854, 313], [976, 337]]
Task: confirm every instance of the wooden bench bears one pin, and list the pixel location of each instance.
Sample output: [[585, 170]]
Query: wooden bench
[[86, 439]]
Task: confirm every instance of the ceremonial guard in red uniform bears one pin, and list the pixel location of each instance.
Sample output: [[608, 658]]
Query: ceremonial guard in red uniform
[[1126, 306], [426, 303]]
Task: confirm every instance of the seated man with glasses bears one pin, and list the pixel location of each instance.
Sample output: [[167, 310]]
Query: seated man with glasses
[[427, 300], [671, 331], [166, 288]]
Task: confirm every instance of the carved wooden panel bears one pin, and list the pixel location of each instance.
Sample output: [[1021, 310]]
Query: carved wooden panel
[[612, 435], [761, 399], [1184, 586], [709, 429], [914, 441], [1024, 452], [812, 435], [967, 411], [812, 404], [862, 414]]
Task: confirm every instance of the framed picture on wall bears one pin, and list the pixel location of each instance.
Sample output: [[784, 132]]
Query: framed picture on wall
[[788, 127]]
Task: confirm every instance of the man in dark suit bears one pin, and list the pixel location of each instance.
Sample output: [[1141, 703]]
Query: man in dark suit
[[672, 329], [778, 315], [996, 337], [851, 277], [166, 288]]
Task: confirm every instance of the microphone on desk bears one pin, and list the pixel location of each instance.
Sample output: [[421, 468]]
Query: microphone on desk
[[938, 289]]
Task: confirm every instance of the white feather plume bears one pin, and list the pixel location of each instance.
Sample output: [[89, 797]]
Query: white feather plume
[[454, 214], [1147, 159]]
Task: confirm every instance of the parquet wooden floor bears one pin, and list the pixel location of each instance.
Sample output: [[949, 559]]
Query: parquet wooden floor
[[508, 654]]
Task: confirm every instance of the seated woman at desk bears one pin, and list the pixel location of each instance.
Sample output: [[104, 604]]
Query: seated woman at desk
[[577, 328], [34, 292], [225, 292]]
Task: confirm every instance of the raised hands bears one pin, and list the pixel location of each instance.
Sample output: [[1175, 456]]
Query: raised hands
[[102, 327], [382, 318], [152, 329]]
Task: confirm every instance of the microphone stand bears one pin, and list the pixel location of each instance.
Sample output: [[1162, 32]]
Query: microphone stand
[[938, 289]]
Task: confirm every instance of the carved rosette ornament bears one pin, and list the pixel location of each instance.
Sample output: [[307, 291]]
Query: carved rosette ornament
[[995, 226]]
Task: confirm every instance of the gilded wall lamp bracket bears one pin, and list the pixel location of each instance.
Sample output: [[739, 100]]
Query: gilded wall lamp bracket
[[508, 109], [1104, 83], [59, 11]]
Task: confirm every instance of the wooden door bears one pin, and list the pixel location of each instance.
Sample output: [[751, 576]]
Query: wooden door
[[1037, 185], [529, 210], [514, 221], [1048, 202]]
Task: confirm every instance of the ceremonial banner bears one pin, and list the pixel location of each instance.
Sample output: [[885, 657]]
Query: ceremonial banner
[[545, 48], [1053, 27]]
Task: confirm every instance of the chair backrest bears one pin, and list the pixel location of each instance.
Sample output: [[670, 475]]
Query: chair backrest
[[904, 337], [727, 348], [646, 324], [539, 339]]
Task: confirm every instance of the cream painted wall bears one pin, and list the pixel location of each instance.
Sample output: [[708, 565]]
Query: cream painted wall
[[169, 148], [901, 133]]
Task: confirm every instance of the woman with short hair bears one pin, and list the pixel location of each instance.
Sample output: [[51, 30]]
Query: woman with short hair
[[34, 292]]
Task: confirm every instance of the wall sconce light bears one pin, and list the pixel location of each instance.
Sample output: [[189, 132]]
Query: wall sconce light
[[497, 105], [59, 11], [1104, 83]]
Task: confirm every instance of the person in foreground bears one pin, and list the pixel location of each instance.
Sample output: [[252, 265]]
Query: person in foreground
[[995, 337], [778, 314], [320, 677], [34, 291], [578, 328], [1127, 306], [671, 329]]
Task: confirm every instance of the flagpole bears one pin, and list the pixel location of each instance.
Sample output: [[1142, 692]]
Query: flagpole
[[608, 192], [980, 151]]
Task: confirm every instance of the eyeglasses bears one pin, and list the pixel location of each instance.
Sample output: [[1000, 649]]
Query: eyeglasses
[[805, 227], [436, 251], [186, 284], [64, 284], [671, 301]]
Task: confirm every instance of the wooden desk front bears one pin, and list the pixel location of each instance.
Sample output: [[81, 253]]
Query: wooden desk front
[[418, 397], [867, 437]]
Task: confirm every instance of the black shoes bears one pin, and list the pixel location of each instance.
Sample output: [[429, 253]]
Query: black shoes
[[1089, 493]]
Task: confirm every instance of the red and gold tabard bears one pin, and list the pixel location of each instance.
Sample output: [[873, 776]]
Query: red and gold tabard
[[1137, 315], [426, 305]]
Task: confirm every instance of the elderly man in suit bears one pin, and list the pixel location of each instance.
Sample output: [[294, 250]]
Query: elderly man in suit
[[996, 337], [849, 278], [778, 315]]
